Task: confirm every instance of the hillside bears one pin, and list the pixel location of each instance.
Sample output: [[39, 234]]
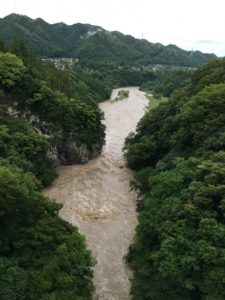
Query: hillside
[[89, 42], [66, 114], [41, 255], [178, 153]]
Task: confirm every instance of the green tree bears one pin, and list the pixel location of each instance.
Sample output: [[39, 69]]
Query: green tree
[[178, 154], [72, 125], [50, 250], [11, 69], [13, 280], [22, 146]]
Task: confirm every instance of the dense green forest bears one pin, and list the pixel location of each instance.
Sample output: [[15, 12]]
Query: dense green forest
[[47, 117], [92, 43], [41, 256], [50, 116], [57, 103], [178, 154], [166, 80]]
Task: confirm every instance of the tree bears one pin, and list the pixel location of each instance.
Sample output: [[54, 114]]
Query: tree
[[13, 280], [178, 153], [50, 251], [11, 69], [22, 146], [2, 46]]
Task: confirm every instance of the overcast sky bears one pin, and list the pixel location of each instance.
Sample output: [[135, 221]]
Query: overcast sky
[[189, 24]]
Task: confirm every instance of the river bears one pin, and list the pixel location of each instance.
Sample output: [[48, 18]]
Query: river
[[97, 199]]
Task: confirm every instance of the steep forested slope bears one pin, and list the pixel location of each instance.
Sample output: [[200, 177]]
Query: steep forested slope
[[166, 80], [93, 43], [43, 121], [41, 256], [72, 126], [178, 153]]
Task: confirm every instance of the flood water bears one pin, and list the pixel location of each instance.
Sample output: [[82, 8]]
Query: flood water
[[97, 199]]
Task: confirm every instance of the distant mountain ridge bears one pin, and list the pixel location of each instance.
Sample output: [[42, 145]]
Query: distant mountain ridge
[[89, 42]]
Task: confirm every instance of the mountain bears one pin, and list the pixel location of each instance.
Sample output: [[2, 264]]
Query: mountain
[[88, 42]]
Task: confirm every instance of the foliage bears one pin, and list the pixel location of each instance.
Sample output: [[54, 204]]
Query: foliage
[[152, 138], [178, 153], [212, 73], [13, 280], [166, 81], [47, 253], [23, 147], [75, 81], [122, 94], [71, 125], [11, 69], [203, 115], [42, 256]]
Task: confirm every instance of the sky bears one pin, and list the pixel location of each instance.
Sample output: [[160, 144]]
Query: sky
[[189, 24]]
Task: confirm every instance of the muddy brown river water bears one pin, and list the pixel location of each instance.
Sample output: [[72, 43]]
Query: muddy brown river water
[[97, 199]]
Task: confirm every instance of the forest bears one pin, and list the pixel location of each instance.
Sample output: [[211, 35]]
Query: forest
[[178, 155], [48, 117], [93, 43], [166, 80]]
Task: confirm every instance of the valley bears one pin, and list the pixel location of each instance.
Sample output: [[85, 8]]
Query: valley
[[96, 197]]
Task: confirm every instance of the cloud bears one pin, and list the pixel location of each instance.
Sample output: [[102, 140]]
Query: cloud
[[209, 42]]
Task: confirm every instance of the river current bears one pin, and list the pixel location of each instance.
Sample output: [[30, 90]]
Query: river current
[[97, 199]]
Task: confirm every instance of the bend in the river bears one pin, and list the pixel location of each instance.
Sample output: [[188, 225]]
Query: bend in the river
[[96, 197]]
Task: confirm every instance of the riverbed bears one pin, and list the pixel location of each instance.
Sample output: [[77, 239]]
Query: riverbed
[[97, 199]]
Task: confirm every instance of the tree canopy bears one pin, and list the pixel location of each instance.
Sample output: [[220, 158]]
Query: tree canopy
[[93, 43], [42, 257], [47, 253], [11, 69], [178, 153], [72, 126]]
